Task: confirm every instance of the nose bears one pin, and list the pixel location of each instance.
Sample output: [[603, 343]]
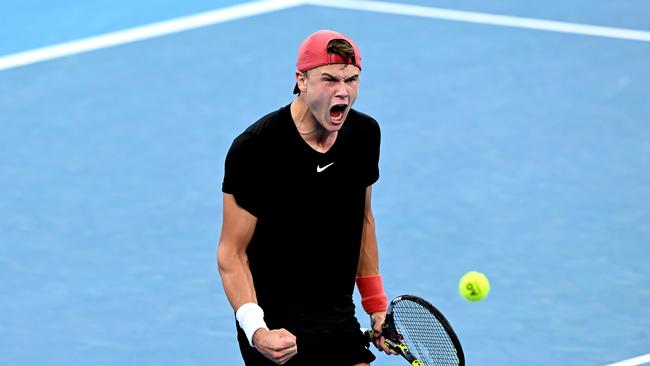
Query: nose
[[342, 90]]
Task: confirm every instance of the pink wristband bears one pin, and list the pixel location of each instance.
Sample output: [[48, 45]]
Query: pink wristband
[[373, 297]]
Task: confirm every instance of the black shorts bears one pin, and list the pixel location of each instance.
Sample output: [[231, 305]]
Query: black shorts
[[328, 350]]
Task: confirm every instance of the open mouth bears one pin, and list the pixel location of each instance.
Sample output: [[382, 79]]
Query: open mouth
[[337, 112]]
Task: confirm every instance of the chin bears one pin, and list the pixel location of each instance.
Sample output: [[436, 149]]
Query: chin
[[335, 126]]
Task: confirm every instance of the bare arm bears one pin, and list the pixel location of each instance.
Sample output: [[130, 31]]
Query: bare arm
[[369, 257], [369, 265], [278, 345], [236, 232]]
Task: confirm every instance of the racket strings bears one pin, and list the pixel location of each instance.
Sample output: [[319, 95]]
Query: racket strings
[[424, 334]]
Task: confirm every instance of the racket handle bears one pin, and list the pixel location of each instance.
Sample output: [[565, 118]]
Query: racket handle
[[371, 336], [400, 348]]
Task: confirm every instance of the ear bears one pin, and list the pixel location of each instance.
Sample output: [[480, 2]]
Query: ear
[[301, 81]]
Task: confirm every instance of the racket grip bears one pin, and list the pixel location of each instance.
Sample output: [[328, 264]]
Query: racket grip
[[371, 336]]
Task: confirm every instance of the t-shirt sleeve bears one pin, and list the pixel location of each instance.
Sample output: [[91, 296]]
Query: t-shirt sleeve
[[372, 151], [241, 173]]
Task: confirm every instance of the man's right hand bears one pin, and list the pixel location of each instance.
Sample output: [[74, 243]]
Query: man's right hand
[[278, 345]]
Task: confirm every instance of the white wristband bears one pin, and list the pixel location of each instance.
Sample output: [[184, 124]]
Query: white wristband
[[251, 318]]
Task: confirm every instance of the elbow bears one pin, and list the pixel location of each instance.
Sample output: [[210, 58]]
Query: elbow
[[222, 259], [227, 259], [369, 220]]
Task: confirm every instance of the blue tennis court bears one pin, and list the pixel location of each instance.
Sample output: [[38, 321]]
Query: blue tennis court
[[513, 147]]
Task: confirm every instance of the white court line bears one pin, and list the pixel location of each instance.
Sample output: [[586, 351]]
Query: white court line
[[145, 32], [266, 6], [633, 361], [484, 18]]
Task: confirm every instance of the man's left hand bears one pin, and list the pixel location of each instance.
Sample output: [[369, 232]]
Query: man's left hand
[[377, 322]]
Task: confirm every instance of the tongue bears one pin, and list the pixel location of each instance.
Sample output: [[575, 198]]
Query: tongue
[[336, 114]]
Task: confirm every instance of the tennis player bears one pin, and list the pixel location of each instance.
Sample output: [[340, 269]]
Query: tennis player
[[298, 227]]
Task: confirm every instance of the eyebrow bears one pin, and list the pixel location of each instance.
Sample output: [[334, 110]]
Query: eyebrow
[[336, 78]]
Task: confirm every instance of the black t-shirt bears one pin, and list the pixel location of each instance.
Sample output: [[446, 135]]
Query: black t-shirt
[[309, 207]]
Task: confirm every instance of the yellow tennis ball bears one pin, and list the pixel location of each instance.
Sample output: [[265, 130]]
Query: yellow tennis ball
[[474, 286]]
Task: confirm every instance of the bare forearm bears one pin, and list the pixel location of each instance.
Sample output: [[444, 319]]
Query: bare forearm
[[369, 256], [236, 277]]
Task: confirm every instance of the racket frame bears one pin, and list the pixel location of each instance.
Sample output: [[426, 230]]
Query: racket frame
[[394, 339]]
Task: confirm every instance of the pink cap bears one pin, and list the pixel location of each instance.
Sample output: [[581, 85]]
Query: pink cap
[[313, 51]]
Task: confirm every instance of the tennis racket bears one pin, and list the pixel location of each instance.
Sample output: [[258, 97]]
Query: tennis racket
[[417, 331]]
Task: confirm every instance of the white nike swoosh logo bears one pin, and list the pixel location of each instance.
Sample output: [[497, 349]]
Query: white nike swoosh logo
[[319, 169]]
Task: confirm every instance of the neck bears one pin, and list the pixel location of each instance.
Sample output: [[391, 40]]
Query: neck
[[310, 130]]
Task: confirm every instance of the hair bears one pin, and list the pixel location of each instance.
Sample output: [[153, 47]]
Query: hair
[[342, 48], [339, 47]]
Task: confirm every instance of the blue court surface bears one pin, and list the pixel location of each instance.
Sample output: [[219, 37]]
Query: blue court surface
[[519, 152]]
